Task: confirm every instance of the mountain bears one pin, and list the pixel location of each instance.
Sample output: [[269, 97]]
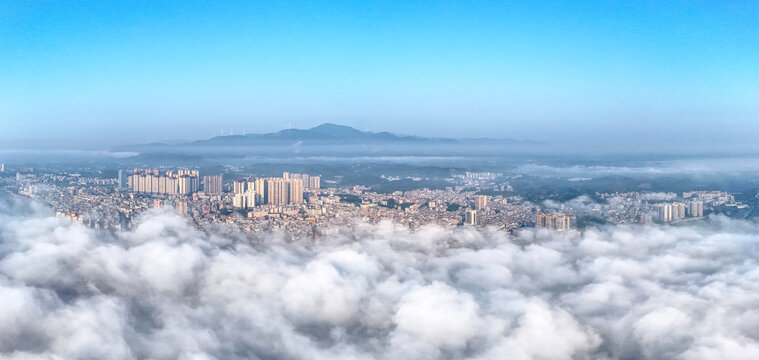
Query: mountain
[[330, 141], [336, 130], [323, 133]]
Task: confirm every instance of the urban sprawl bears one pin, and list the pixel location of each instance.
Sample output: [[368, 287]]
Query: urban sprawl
[[304, 205]]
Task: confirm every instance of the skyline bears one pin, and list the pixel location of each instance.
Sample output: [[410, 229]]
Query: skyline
[[547, 71], [379, 179]]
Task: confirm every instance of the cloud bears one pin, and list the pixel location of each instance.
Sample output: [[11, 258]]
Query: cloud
[[681, 167], [166, 290], [582, 203], [436, 316]]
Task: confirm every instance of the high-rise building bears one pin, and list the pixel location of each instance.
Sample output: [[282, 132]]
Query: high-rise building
[[295, 190], [314, 182], [162, 185], [250, 199], [184, 185], [123, 180], [247, 198], [696, 208], [678, 210], [470, 217], [275, 191], [154, 183], [556, 222], [308, 181], [142, 182], [262, 191], [240, 201], [481, 202], [664, 212], [213, 184], [194, 184], [188, 172], [182, 207], [562, 223], [540, 220], [239, 186], [278, 191], [2, 168], [169, 182], [172, 184]]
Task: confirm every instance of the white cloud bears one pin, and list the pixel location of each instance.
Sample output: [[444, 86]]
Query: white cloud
[[168, 291], [689, 167], [437, 315]]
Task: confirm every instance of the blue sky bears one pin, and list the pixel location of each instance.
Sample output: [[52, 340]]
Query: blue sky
[[642, 71]]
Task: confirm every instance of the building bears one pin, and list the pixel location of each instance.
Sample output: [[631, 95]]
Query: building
[[239, 186], [696, 208], [678, 210], [182, 207], [185, 185], [240, 201], [308, 181], [470, 217], [306, 178], [562, 223], [123, 180], [188, 172], [154, 183], [664, 212], [171, 185], [245, 200], [314, 182], [164, 183], [295, 189], [261, 190], [142, 181], [481, 202], [277, 191], [540, 220], [213, 184], [556, 222], [667, 212]]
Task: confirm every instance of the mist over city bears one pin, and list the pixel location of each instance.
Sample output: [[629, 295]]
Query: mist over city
[[379, 180]]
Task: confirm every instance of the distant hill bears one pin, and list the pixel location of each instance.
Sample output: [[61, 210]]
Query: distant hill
[[324, 133], [329, 140], [330, 133]]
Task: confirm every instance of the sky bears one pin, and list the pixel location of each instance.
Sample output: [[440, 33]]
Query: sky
[[640, 73]]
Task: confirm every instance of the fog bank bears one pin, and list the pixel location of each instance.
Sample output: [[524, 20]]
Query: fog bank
[[166, 290]]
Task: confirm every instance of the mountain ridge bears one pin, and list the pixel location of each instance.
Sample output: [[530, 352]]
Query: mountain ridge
[[330, 132], [328, 139]]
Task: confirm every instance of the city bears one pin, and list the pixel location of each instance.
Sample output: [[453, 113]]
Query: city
[[302, 206], [379, 180]]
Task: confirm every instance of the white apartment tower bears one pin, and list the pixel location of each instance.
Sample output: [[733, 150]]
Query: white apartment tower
[[664, 212]]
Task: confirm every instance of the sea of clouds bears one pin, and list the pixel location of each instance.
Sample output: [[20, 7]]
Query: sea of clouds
[[584, 204], [693, 167], [166, 290]]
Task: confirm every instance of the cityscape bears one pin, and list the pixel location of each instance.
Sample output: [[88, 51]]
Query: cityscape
[[379, 180], [302, 206]]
